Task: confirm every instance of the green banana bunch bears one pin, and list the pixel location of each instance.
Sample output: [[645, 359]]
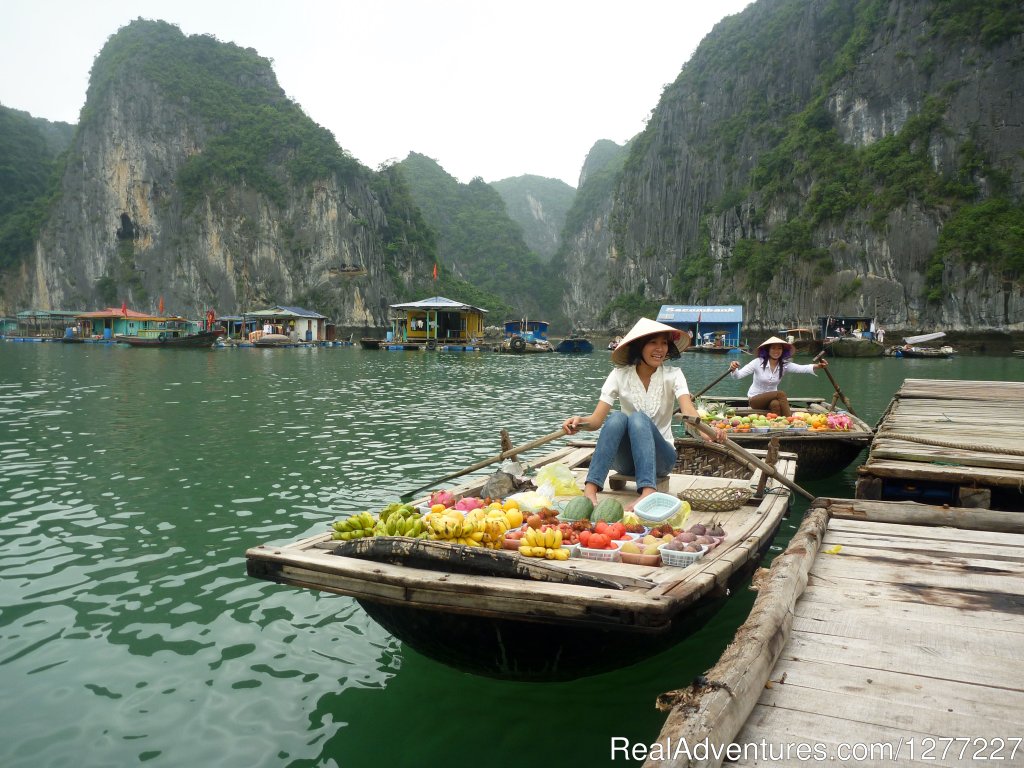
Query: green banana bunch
[[354, 527]]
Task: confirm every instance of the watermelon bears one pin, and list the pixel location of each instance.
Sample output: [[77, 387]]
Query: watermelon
[[608, 510], [577, 509]]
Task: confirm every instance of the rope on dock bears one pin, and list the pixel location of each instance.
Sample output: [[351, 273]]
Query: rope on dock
[[951, 444]]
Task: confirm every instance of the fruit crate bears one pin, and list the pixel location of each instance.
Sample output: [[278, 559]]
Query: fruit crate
[[716, 499], [639, 558], [679, 559]]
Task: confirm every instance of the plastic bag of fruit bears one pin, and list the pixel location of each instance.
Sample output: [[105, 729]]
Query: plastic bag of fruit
[[560, 479]]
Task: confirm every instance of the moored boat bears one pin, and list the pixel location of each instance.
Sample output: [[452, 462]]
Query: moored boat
[[524, 337], [943, 352], [819, 453], [170, 340], [853, 346], [498, 613], [576, 344]]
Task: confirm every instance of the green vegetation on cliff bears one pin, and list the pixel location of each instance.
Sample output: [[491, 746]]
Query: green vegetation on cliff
[[256, 135], [479, 243], [30, 168]]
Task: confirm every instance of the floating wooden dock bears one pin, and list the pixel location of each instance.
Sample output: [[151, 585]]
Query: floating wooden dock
[[887, 633], [949, 442]]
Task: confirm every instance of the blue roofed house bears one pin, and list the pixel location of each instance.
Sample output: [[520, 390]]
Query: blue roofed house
[[711, 328]]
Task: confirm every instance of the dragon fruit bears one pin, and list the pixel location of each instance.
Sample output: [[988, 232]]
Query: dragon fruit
[[839, 421], [469, 503], [447, 498]]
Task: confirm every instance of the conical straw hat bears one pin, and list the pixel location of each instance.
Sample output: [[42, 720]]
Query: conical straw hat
[[776, 340], [646, 327]]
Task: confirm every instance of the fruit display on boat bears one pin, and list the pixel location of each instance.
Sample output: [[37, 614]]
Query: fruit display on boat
[[799, 420]]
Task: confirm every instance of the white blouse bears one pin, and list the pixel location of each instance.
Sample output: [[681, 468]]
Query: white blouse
[[766, 379], [658, 400]]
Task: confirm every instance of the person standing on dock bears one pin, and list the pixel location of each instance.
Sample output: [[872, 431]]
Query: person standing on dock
[[637, 440], [768, 368]]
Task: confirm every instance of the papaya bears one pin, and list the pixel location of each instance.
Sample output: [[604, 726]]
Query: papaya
[[578, 509], [608, 510]]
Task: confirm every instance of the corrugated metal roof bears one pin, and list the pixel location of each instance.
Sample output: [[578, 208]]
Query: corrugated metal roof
[[438, 302], [688, 313], [279, 311]]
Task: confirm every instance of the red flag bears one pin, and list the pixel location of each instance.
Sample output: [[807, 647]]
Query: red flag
[[160, 309], [124, 309], [435, 270]]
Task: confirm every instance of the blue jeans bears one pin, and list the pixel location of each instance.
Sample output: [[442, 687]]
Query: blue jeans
[[631, 445]]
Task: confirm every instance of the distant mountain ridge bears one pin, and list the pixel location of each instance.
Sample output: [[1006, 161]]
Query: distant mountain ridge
[[539, 206]]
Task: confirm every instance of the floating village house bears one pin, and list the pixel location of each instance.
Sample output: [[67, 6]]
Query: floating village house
[[113, 321], [715, 325], [437, 322], [295, 322]]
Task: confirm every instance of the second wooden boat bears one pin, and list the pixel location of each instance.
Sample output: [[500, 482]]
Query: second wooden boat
[[497, 613], [818, 454]]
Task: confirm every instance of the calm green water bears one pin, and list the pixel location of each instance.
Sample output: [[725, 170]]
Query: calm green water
[[132, 482]]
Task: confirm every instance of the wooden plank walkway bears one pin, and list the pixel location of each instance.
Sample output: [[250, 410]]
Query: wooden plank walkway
[[949, 442], [888, 633]]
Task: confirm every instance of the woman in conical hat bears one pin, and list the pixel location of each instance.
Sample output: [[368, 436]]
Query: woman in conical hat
[[768, 368], [637, 439]]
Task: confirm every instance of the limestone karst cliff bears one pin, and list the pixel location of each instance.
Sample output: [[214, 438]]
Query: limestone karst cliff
[[816, 157], [192, 177]]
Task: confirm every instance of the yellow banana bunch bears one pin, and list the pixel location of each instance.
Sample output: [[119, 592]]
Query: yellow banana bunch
[[546, 544]]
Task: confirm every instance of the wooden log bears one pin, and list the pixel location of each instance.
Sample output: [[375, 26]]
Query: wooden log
[[716, 707], [912, 513]]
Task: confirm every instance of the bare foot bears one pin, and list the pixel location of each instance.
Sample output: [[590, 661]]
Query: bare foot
[[590, 491], [644, 493]]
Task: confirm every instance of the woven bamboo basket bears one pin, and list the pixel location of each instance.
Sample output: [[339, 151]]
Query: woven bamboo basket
[[716, 499], [699, 457]]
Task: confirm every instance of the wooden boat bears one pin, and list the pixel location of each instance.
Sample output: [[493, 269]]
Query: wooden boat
[[1018, 353], [170, 341], [496, 613], [272, 340], [577, 344], [525, 337], [852, 346], [818, 454], [803, 340], [943, 352]]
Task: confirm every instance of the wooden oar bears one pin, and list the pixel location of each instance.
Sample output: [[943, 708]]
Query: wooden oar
[[747, 457], [481, 464], [709, 386], [846, 400]]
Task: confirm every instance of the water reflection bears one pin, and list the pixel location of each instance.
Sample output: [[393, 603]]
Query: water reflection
[[132, 481]]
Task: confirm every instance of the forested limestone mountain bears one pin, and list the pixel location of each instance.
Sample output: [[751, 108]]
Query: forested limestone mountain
[[192, 177], [479, 243], [30, 151], [820, 157], [539, 206]]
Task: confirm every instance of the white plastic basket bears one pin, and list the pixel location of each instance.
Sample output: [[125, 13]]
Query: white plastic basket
[[679, 559], [607, 555], [656, 508]]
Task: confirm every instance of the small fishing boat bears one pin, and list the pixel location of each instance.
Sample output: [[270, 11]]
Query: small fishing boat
[[498, 613], [910, 347], [853, 346], [818, 453], [172, 340], [576, 344], [524, 337]]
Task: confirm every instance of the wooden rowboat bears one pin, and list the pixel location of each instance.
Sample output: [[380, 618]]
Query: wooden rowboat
[[497, 613], [170, 340], [818, 454]]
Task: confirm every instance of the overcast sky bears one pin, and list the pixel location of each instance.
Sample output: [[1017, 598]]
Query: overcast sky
[[485, 88]]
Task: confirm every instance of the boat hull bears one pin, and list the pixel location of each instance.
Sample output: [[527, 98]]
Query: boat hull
[[575, 347], [850, 346], [199, 340], [818, 454], [498, 614]]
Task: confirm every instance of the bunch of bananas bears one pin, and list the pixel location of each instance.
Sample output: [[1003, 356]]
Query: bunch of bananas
[[452, 525], [546, 544], [400, 520], [355, 527], [493, 522]]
